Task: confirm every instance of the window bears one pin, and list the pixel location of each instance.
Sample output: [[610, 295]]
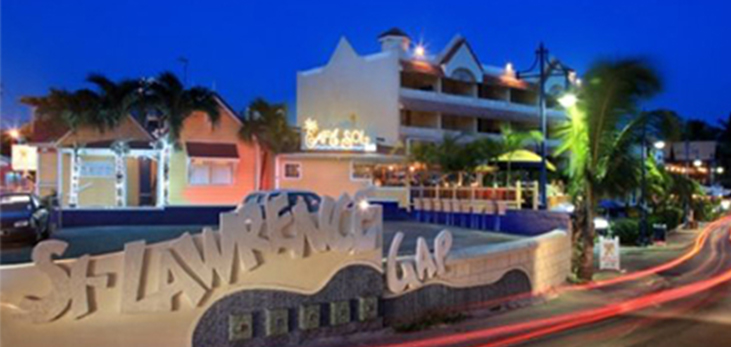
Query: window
[[463, 75], [221, 174], [210, 173], [361, 171], [292, 170]]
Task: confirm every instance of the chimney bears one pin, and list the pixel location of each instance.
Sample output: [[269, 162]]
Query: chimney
[[394, 40]]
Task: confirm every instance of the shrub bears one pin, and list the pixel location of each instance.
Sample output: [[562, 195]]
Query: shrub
[[670, 216], [627, 229]]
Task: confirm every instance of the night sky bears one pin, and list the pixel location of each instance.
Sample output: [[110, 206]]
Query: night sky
[[246, 49]]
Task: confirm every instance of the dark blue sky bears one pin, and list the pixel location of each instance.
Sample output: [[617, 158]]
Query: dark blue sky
[[254, 48]]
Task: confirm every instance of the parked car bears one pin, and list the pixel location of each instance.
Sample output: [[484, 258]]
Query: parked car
[[311, 199], [23, 217]]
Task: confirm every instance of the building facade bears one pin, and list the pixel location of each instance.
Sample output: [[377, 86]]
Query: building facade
[[399, 96], [128, 167]]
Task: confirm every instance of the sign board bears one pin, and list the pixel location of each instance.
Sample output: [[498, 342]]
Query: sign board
[[609, 253], [335, 139], [25, 158], [97, 169]]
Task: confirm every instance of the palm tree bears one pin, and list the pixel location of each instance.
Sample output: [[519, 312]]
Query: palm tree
[[167, 96], [514, 140], [64, 108], [601, 131], [116, 101], [265, 125]]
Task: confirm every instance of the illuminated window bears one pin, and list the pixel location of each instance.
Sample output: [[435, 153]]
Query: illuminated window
[[292, 170], [210, 173], [362, 171]]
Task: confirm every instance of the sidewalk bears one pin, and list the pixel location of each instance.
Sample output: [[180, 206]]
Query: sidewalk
[[632, 259]]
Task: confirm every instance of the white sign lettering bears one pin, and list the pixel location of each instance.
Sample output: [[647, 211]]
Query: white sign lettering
[[191, 271], [336, 139], [413, 272]]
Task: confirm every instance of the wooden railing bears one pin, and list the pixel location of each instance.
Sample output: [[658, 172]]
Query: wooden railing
[[515, 197]]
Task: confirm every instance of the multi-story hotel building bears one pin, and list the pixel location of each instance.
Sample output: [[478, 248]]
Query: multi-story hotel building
[[400, 95]]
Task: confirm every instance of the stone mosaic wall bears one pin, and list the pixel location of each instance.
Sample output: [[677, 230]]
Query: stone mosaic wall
[[438, 298], [348, 303]]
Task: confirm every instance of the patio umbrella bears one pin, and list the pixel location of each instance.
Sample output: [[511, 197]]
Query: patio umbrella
[[524, 156], [484, 168]]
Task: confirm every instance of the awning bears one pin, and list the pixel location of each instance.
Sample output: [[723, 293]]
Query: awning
[[523, 156], [204, 150]]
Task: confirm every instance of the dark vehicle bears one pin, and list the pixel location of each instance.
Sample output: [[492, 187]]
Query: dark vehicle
[[22, 217], [311, 199]]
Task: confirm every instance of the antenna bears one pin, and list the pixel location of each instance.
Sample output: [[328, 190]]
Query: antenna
[[184, 61]]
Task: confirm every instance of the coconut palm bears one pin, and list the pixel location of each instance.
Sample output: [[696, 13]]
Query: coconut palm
[[600, 134], [265, 125], [116, 101], [173, 102], [64, 108], [514, 140]]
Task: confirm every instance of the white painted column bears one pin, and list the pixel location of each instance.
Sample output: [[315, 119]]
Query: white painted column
[[59, 175], [74, 177], [160, 179], [120, 177]]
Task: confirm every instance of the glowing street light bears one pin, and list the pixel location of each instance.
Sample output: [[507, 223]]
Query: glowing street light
[[720, 170], [419, 51], [568, 100], [364, 205], [659, 144], [14, 133], [509, 69], [697, 163]]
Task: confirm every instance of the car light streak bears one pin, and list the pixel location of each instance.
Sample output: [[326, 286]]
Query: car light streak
[[697, 246], [545, 326], [574, 320]]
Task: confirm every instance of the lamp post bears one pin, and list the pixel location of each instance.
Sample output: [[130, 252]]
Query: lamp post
[[659, 145], [546, 69]]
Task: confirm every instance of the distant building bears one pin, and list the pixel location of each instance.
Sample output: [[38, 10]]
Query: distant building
[[697, 159], [396, 97], [121, 167]]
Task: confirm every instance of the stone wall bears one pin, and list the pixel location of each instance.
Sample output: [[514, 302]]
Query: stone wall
[[545, 259], [486, 276], [349, 303]]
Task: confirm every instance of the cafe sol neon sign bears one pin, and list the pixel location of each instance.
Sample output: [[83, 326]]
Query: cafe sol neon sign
[[336, 138]]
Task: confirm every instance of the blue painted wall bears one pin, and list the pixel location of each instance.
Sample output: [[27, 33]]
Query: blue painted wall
[[198, 215]]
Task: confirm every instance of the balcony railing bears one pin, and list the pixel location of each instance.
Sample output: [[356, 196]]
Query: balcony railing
[[472, 104]]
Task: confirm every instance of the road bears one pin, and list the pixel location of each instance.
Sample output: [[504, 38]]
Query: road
[[702, 318], [683, 302]]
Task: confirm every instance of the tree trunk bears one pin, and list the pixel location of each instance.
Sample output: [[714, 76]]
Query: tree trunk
[[262, 170], [585, 268]]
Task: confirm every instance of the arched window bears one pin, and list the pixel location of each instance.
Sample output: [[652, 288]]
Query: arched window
[[463, 75]]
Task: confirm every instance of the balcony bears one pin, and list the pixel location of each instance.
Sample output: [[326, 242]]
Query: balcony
[[431, 101]]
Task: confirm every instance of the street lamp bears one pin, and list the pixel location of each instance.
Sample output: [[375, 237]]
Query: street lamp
[[14, 133], [659, 145], [568, 100], [546, 68], [697, 163]]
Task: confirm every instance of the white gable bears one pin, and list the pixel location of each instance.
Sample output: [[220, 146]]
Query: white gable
[[463, 59], [344, 53]]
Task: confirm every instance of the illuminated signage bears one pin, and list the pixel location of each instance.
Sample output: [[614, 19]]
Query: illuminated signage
[[25, 158], [336, 139]]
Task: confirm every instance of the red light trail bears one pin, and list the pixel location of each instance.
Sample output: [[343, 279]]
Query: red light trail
[[545, 326]]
